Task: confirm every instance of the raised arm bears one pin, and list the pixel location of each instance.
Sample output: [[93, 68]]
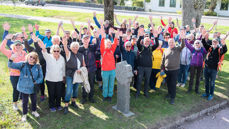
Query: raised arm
[[224, 47], [116, 19], [65, 43], [6, 27], [226, 36], [3, 49], [162, 22], [182, 36], [214, 24], [13, 65], [73, 24], [58, 28], [37, 32], [178, 25], [155, 33], [95, 20]]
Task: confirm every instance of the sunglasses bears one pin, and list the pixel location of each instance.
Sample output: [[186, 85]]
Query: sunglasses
[[31, 57], [188, 39], [197, 43], [18, 44], [128, 46], [56, 51]]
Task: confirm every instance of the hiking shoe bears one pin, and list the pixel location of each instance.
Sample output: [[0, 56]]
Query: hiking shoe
[[59, 108], [204, 95], [178, 84], [65, 110], [172, 101], [83, 101], [24, 118], [15, 108], [182, 85], [210, 97], [53, 109], [35, 113], [42, 98], [74, 105]]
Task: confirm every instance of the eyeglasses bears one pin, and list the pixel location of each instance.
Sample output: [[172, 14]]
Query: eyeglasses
[[128, 46], [197, 43], [31, 57], [188, 39], [18, 44], [56, 51]]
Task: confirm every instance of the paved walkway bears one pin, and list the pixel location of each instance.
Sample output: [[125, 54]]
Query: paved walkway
[[205, 19], [219, 120]]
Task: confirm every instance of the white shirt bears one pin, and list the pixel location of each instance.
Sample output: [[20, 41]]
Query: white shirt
[[78, 61], [55, 69]]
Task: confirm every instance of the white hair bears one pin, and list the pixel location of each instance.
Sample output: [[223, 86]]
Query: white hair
[[54, 47], [74, 44], [128, 43], [55, 37]]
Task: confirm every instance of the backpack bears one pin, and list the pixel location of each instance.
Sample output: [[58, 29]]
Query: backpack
[[221, 58]]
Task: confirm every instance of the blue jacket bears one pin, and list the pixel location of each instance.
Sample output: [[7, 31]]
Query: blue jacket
[[25, 82], [9, 42], [47, 41]]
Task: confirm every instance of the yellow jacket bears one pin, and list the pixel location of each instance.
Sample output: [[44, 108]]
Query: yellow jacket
[[157, 58], [159, 79]]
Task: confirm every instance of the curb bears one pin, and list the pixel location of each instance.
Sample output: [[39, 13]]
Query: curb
[[195, 115]]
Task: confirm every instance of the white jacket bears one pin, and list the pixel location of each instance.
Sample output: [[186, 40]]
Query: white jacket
[[82, 78]]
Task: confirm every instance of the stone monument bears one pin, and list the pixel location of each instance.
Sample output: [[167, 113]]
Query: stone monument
[[124, 77]]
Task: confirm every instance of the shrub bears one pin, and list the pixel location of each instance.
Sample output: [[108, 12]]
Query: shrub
[[210, 13], [138, 3]]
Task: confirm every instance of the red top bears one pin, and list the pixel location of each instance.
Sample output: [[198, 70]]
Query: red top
[[107, 55], [170, 30]]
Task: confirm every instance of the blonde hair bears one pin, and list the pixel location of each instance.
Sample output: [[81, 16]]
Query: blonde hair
[[74, 44], [33, 54], [54, 47], [107, 41]]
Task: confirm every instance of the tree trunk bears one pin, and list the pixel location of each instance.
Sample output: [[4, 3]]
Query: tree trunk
[[192, 9], [109, 11], [212, 5]]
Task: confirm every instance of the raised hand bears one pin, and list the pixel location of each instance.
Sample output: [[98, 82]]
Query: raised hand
[[170, 19], [203, 32], [6, 26], [215, 22], [25, 35], [223, 42], [36, 27], [30, 28], [35, 38], [60, 24], [155, 33], [81, 27], [23, 28], [65, 41], [41, 44], [89, 21], [161, 18], [150, 17], [94, 14], [193, 20], [182, 34]]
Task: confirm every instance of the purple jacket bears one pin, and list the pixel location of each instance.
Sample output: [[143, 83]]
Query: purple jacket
[[197, 55]]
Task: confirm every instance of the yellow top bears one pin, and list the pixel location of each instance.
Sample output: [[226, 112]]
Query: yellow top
[[157, 58]]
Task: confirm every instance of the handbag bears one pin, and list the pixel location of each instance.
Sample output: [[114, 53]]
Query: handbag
[[36, 86]]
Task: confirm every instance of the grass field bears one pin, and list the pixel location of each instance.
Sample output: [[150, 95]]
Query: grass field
[[149, 113], [83, 17]]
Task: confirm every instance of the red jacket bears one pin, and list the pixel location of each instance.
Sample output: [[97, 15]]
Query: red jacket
[[170, 30], [107, 55]]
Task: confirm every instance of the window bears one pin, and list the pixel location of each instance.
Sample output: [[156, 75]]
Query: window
[[161, 3], [172, 3], [224, 5]]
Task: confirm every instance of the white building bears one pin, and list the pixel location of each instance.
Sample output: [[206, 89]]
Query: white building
[[175, 6]]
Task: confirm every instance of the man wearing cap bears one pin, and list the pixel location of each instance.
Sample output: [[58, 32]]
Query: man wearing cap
[[47, 39], [88, 50]]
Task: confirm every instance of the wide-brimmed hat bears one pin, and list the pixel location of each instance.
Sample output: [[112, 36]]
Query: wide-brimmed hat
[[16, 43]]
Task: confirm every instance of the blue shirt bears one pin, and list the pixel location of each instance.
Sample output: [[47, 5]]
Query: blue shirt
[[47, 41]]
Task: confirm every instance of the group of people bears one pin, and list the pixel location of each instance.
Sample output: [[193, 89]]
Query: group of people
[[153, 52]]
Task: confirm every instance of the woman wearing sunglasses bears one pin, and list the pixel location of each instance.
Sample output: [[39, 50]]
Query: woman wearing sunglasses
[[17, 49], [55, 73], [30, 75]]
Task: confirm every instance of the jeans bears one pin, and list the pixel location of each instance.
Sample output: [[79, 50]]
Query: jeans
[[25, 101], [54, 91], [143, 72], [195, 71], [210, 76], [14, 81], [91, 78], [108, 83], [183, 73], [71, 90], [153, 78], [171, 80]]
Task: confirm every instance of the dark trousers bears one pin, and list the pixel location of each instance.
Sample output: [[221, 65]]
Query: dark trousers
[[91, 79], [143, 72], [25, 101], [42, 85], [63, 90], [171, 80], [14, 81], [195, 71], [55, 92], [210, 76], [153, 78]]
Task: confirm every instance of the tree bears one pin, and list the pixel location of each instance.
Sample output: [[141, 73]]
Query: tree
[[212, 5], [109, 11], [192, 9]]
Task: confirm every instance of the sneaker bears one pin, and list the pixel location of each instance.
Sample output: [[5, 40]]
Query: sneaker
[[204, 95], [15, 108], [210, 97], [24, 118], [182, 85], [74, 105], [42, 98], [178, 84], [65, 110], [53, 109], [83, 101], [172, 101], [59, 108], [35, 113]]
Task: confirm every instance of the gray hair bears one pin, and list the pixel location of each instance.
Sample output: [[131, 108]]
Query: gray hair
[[55, 37], [74, 44], [54, 47], [128, 43]]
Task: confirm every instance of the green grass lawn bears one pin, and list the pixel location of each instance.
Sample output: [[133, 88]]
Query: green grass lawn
[[82, 17], [149, 113]]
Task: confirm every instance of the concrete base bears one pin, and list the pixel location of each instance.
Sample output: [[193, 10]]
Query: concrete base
[[125, 114]]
